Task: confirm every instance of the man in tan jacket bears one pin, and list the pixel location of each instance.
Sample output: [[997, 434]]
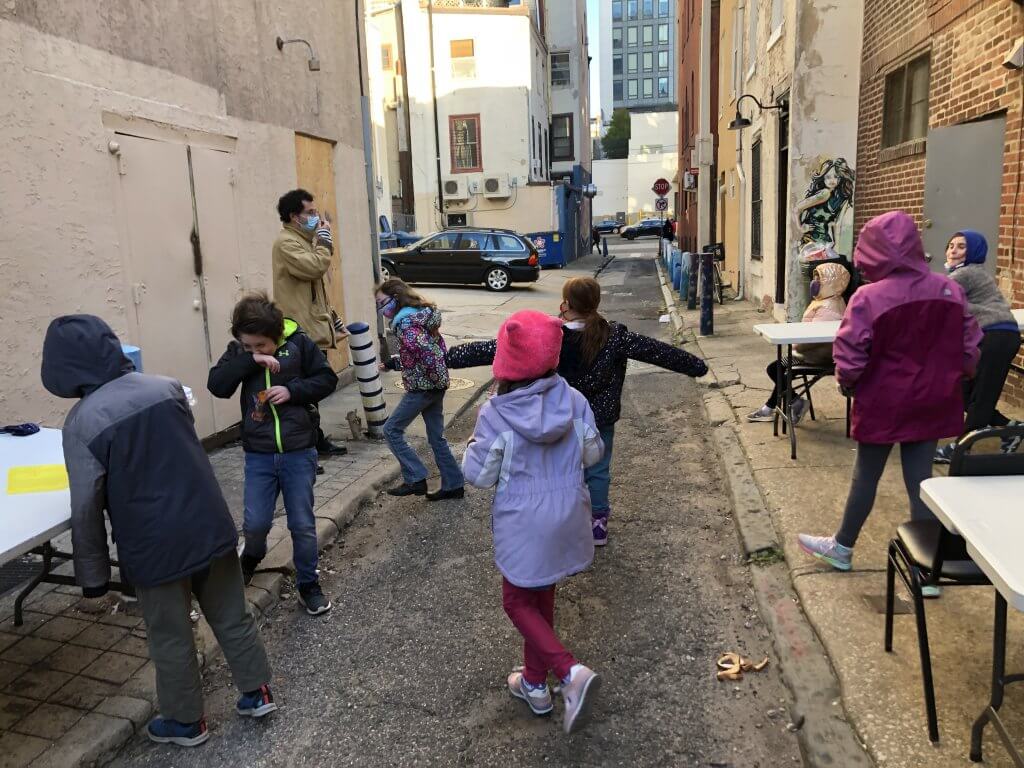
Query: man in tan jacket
[[301, 257]]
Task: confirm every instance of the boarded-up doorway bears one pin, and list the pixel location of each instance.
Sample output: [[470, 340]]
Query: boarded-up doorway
[[314, 168]]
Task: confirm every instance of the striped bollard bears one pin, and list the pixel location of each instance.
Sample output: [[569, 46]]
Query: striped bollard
[[364, 358]]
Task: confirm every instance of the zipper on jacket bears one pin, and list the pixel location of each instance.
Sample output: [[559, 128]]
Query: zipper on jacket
[[277, 421]]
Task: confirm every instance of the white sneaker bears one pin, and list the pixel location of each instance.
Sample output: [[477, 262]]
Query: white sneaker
[[538, 699], [826, 548], [579, 694], [764, 413]]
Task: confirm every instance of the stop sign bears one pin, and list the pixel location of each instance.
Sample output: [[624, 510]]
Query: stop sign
[[661, 187]]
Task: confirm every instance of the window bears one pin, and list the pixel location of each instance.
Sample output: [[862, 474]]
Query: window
[[662, 87], [561, 137], [617, 64], [752, 35], [616, 10], [663, 7], [387, 57], [633, 89], [631, 36], [662, 59], [473, 241], [446, 241], [648, 9], [776, 16], [561, 69], [617, 90], [905, 114], [510, 243], [546, 167], [755, 200], [648, 88], [648, 61], [631, 9], [463, 61], [648, 35], [617, 37], [464, 135], [631, 62], [663, 33]]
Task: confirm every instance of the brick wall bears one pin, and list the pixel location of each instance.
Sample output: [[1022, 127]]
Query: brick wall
[[968, 40]]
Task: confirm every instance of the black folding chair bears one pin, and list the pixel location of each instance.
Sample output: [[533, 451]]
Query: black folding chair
[[808, 376], [924, 553]]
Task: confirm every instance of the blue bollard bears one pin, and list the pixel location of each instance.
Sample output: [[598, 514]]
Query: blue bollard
[[691, 293], [134, 354]]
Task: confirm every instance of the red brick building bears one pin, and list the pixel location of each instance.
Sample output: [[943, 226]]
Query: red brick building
[[688, 89], [940, 128]]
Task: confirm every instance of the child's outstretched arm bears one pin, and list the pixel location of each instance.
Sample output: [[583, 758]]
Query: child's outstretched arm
[[482, 461], [648, 350], [318, 380], [234, 366], [472, 355]]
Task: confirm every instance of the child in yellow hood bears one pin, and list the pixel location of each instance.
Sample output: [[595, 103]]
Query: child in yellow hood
[[830, 280]]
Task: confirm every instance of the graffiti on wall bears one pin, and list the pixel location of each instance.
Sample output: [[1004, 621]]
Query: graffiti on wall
[[826, 212]]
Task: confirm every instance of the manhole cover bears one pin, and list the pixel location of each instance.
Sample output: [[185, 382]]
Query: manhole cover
[[456, 385]]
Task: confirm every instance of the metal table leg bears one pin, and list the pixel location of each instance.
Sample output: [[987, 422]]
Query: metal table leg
[[778, 389], [789, 402], [999, 681]]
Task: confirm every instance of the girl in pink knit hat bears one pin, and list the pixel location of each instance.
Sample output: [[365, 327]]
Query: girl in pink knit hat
[[532, 440]]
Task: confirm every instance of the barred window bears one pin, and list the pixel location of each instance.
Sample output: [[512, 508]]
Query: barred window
[[464, 134]]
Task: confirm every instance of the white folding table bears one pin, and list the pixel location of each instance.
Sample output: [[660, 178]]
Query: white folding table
[[987, 512], [786, 335], [29, 521]]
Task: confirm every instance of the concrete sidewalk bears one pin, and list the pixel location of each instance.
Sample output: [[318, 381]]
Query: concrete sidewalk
[[75, 680], [882, 692]]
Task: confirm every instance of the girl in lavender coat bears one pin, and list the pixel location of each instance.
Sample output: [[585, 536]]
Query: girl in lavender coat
[[533, 440], [904, 346]]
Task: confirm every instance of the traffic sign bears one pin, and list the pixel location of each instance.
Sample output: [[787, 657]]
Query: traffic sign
[[661, 204], [661, 187]]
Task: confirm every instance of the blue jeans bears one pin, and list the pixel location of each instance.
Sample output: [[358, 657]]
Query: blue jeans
[[599, 476], [429, 404], [292, 474]]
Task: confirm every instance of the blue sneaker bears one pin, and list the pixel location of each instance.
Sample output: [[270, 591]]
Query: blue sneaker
[[256, 703], [829, 550], [600, 528], [164, 731]]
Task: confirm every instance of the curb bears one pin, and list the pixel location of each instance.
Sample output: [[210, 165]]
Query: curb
[[825, 734], [263, 593]]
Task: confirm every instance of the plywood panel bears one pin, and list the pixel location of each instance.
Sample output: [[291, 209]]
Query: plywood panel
[[314, 167]]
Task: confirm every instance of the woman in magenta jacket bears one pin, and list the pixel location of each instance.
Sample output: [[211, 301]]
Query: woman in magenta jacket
[[904, 346]]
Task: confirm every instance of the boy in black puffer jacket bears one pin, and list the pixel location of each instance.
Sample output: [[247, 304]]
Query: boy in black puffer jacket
[[282, 373]]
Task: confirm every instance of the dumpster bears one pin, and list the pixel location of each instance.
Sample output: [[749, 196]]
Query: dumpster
[[550, 247]]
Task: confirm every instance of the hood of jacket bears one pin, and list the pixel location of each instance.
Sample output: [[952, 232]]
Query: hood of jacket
[[889, 243], [428, 317], [833, 278], [540, 412], [80, 354], [977, 246]]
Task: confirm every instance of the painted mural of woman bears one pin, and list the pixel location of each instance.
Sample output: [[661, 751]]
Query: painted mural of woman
[[829, 195]]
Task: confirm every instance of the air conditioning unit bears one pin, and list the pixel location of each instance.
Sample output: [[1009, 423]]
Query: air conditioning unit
[[496, 186], [456, 189], [689, 180]]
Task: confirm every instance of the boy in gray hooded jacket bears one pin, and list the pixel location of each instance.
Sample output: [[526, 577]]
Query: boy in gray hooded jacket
[[131, 449]]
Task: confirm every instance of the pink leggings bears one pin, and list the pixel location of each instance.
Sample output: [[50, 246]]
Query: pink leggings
[[533, 613]]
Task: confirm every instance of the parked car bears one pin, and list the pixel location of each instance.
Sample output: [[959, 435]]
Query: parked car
[[607, 226], [495, 257], [643, 228], [396, 239]]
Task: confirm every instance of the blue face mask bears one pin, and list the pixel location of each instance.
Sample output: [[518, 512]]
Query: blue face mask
[[389, 308], [311, 222], [815, 288]]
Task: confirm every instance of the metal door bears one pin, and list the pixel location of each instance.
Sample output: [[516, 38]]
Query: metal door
[[962, 185], [156, 205], [220, 262]]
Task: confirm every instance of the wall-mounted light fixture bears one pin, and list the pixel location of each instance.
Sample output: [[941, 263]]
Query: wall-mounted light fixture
[[740, 122], [314, 62]]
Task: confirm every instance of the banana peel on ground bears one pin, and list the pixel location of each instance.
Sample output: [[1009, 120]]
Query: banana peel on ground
[[731, 666]]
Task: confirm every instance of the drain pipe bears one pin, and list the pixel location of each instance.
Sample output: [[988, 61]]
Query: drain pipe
[[741, 282]]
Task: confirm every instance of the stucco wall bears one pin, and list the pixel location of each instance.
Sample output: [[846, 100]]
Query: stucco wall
[[210, 70], [567, 31], [612, 180]]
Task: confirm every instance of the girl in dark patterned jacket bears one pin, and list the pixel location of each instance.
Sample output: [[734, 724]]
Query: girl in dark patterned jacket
[[593, 360], [417, 325]]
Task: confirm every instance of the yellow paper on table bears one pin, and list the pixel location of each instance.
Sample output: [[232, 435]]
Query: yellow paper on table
[[37, 478]]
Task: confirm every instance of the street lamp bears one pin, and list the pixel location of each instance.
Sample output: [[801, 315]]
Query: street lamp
[[314, 62], [740, 122]]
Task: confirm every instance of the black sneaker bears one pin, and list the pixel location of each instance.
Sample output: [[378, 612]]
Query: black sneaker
[[406, 489], [249, 565], [328, 449], [311, 597], [441, 495]]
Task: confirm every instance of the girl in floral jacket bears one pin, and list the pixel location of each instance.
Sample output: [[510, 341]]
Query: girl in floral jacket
[[416, 323]]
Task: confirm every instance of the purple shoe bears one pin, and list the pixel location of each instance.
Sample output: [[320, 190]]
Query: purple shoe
[[600, 527]]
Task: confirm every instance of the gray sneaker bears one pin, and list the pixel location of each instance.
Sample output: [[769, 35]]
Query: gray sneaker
[[538, 699], [799, 408], [829, 550], [579, 694]]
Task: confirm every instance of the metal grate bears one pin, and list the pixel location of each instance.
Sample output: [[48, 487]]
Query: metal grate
[[755, 200], [17, 572]]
